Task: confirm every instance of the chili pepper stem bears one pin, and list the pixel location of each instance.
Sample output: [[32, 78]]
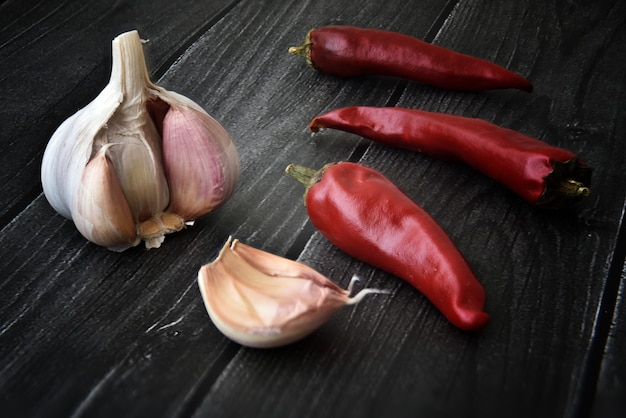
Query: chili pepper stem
[[567, 183], [573, 188], [300, 51], [304, 50], [304, 175]]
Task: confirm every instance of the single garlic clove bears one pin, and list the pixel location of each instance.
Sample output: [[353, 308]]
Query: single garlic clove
[[100, 211], [137, 160], [263, 300], [200, 161]]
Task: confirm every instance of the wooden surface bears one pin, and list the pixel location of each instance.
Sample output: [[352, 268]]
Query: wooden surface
[[88, 332]]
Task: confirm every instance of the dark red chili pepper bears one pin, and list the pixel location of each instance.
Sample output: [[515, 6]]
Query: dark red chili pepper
[[348, 51], [544, 175], [365, 215]]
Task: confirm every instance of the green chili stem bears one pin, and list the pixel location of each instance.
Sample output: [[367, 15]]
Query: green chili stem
[[301, 50], [304, 175], [304, 50]]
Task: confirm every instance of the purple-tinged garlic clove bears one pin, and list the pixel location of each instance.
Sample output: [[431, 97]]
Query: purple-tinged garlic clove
[[200, 161]]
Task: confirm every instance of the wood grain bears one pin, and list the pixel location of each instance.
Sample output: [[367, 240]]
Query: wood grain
[[88, 332], [609, 400]]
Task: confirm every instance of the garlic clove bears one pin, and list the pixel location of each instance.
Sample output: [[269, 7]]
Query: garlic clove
[[263, 300], [137, 160], [100, 211], [200, 161]]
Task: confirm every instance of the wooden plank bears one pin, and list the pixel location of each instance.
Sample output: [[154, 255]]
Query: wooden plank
[[65, 50], [88, 332], [610, 399]]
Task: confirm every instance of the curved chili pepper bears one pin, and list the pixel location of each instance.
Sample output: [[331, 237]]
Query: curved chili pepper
[[348, 51], [544, 175], [365, 215]]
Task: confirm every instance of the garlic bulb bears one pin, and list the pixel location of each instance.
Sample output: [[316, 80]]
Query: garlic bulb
[[138, 162], [263, 300]]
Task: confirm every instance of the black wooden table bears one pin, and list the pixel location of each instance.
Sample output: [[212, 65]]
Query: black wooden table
[[88, 332]]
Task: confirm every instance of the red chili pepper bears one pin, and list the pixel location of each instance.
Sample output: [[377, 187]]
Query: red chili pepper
[[365, 215], [544, 175], [348, 51]]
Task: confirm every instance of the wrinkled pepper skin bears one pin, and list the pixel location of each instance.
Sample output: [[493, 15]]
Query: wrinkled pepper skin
[[365, 215], [544, 175], [348, 51]]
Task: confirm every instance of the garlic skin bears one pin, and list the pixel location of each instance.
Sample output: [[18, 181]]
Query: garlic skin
[[140, 149], [262, 300]]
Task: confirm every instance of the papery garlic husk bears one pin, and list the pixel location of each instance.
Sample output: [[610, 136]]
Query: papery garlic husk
[[262, 300], [141, 149]]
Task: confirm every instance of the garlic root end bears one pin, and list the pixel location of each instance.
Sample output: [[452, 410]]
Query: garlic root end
[[154, 229]]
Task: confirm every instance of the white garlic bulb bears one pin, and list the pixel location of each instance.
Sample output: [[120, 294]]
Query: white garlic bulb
[[262, 300], [138, 162]]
